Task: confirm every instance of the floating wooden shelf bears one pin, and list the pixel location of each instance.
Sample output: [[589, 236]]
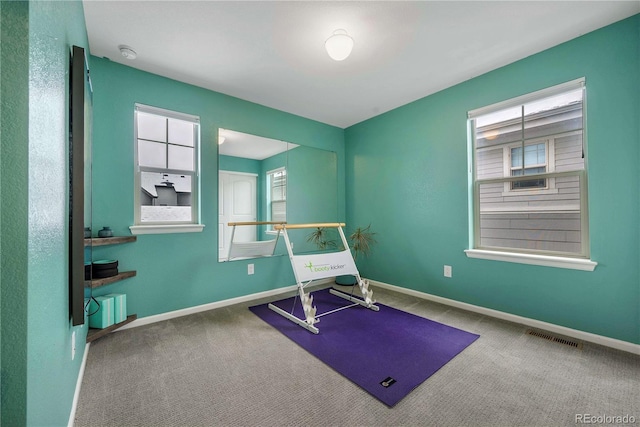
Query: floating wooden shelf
[[94, 334], [102, 241], [96, 283]]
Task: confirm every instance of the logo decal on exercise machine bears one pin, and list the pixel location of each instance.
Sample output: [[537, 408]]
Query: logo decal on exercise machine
[[323, 267], [387, 382]]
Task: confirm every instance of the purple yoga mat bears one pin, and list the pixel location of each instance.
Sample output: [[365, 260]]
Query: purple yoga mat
[[388, 352]]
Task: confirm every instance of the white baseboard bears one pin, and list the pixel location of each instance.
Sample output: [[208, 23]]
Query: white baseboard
[[218, 304], [76, 395], [562, 330]]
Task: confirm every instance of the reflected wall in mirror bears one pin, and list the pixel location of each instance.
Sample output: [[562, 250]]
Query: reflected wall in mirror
[[263, 180], [312, 194]]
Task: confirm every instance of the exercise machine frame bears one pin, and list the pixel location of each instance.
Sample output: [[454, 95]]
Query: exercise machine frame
[[305, 271]]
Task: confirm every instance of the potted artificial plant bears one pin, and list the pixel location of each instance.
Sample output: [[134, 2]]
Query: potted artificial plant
[[321, 238], [360, 241]]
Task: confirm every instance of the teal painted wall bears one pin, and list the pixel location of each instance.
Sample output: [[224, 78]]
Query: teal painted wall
[[14, 154], [176, 271], [311, 193], [38, 375], [312, 174], [238, 164], [53, 28], [407, 176]]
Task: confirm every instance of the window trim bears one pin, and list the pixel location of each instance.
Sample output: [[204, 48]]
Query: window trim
[[163, 227], [582, 260], [533, 259], [166, 228]]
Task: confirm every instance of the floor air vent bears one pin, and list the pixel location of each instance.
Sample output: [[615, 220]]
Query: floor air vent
[[559, 340]]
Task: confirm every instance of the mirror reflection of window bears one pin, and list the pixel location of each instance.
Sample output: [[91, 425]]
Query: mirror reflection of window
[[277, 195]]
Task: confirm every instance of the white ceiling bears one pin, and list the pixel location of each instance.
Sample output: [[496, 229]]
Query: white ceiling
[[272, 53], [238, 144]]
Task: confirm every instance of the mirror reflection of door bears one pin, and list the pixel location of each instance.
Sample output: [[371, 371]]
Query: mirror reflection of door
[[237, 203]]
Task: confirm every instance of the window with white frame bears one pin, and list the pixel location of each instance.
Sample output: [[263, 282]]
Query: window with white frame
[[166, 153], [277, 195], [529, 176]]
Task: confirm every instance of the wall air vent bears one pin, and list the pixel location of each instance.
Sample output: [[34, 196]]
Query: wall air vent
[[560, 340]]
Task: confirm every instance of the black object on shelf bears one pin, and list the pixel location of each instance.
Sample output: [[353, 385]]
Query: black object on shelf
[[104, 268], [109, 272]]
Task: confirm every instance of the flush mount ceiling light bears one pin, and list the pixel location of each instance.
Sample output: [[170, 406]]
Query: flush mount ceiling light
[[339, 45], [127, 52]]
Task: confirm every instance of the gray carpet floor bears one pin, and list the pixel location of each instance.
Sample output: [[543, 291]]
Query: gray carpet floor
[[226, 367]]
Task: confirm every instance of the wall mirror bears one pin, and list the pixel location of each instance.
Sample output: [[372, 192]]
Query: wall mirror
[[80, 102], [263, 180]]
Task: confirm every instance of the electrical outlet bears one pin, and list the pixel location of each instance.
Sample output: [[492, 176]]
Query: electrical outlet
[[73, 345], [447, 271], [250, 269]]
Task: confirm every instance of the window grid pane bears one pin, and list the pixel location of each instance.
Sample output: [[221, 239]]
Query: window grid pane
[[152, 154], [181, 132], [533, 155], [165, 197], [180, 158], [550, 225], [279, 211], [152, 127]]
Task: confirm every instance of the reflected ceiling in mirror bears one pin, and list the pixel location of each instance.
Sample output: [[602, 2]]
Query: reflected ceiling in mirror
[[247, 146]]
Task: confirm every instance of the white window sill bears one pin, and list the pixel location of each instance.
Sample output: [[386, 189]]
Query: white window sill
[[543, 260], [166, 228]]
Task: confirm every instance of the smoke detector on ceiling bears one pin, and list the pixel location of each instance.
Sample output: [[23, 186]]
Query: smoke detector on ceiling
[[127, 52]]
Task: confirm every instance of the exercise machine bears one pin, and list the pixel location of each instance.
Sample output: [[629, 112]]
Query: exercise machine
[[308, 268]]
